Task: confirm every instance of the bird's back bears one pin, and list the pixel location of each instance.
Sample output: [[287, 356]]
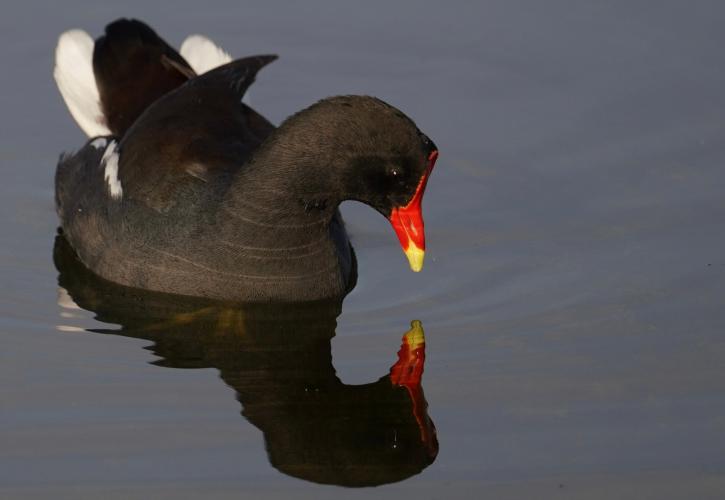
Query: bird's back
[[136, 205]]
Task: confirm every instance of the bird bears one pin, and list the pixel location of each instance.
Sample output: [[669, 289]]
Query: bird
[[183, 188]]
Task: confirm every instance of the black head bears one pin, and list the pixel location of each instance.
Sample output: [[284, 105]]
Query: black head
[[377, 152], [366, 150], [389, 156]]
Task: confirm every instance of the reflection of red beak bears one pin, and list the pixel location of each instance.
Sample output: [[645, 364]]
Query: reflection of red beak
[[408, 373], [408, 224]]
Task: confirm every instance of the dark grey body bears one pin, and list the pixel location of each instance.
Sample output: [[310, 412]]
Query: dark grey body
[[198, 246], [197, 216]]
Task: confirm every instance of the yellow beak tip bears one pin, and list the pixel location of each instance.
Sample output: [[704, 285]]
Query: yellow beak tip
[[415, 257]]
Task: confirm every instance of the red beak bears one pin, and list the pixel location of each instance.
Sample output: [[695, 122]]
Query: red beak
[[408, 224]]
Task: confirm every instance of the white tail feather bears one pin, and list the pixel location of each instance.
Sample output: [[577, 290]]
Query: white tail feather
[[202, 54], [74, 75]]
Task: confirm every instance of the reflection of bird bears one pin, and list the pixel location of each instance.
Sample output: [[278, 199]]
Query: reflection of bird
[[190, 191], [278, 360]]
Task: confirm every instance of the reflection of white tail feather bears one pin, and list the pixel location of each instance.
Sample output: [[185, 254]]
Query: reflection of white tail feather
[[66, 328], [65, 301], [74, 75]]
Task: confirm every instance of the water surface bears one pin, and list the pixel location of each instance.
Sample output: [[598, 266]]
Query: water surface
[[572, 297]]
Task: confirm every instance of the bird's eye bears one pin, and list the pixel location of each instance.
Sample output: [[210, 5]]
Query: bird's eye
[[394, 172], [424, 138]]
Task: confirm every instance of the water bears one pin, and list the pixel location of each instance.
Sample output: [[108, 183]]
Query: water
[[572, 298]]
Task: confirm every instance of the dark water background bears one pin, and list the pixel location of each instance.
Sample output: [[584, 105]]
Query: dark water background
[[574, 287]]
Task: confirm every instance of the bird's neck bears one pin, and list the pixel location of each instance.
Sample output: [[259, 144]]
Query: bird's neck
[[279, 217], [289, 186], [284, 207]]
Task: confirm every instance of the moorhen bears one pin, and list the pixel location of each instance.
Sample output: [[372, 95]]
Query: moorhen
[[183, 188]]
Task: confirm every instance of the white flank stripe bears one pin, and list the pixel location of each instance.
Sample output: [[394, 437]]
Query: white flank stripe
[[74, 75], [109, 162]]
